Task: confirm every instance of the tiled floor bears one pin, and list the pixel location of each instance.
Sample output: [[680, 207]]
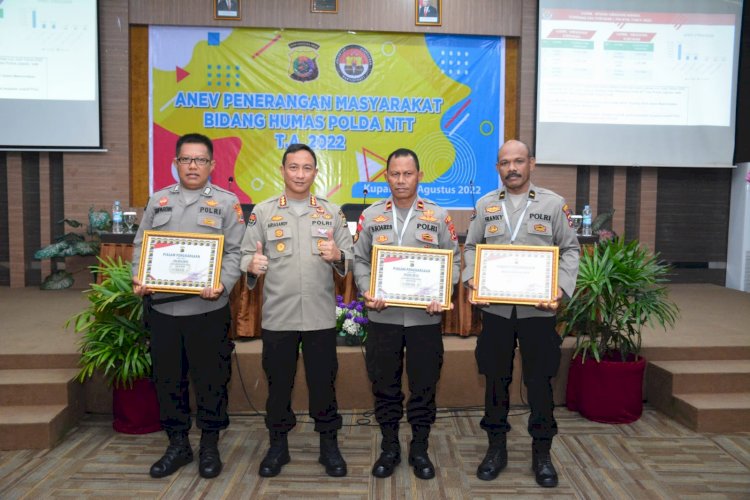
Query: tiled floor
[[651, 458]]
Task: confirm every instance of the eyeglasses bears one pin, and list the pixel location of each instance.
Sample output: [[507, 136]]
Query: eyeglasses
[[186, 160]]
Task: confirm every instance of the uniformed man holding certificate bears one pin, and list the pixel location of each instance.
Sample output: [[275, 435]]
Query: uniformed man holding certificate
[[191, 336], [407, 220], [520, 213]]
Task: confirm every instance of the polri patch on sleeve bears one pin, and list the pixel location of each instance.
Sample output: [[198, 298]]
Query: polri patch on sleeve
[[252, 219]]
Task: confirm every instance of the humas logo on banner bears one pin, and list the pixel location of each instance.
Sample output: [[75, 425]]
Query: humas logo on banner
[[303, 57], [354, 63]]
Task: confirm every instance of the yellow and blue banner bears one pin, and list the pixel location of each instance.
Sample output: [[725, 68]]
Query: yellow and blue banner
[[352, 97]]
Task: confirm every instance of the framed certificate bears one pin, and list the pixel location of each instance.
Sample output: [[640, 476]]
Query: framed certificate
[[515, 274], [411, 277], [180, 262]]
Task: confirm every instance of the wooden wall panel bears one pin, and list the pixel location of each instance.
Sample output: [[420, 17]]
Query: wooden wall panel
[[139, 116], [5, 241], [484, 17]]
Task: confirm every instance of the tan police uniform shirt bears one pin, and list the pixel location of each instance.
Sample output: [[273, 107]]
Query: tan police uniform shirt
[[214, 211], [298, 290], [430, 226], [546, 222]]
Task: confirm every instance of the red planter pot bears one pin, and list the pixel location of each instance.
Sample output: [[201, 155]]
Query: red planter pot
[[135, 410], [609, 391]]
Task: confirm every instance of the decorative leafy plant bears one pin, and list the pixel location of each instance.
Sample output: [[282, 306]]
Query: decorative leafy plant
[[73, 243], [114, 339], [620, 289]]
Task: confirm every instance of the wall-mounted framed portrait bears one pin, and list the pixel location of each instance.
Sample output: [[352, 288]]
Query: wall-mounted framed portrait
[[227, 9], [428, 12], [324, 6]]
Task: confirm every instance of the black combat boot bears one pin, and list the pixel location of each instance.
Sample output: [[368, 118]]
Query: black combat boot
[[209, 461], [178, 454], [391, 454], [418, 457], [496, 458], [541, 463], [330, 455], [277, 455]]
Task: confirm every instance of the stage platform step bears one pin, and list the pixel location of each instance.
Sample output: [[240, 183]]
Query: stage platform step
[[714, 412], [705, 395], [38, 406]]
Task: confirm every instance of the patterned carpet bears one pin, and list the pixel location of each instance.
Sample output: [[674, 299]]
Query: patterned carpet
[[651, 458]]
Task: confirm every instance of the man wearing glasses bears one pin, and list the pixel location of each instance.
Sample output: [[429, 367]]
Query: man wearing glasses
[[190, 333]]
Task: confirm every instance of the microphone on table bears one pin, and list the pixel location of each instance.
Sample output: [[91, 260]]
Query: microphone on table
[[364, 196], [473, 201], [230, 180]]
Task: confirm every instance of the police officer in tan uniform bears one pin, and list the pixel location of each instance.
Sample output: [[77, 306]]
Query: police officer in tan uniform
[[190, 333], [296, 241], [403, 219], [521, 214]]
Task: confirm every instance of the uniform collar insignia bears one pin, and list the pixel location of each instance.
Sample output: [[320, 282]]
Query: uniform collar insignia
[[420, 205], [388, 205], [313, 201], [176, 188], [502, 195], [282, 200], [207, 191], [532, 194]]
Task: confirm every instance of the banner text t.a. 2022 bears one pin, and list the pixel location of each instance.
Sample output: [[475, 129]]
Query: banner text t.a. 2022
[[352, 97]]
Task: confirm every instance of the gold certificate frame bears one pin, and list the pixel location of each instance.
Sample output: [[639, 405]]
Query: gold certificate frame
[[180, 262], [411, 277], [515, 274]]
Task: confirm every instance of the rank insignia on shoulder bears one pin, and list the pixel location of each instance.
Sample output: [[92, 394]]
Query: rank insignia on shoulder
[[566, 211], [238, 211], [163, 201], [282, 201]]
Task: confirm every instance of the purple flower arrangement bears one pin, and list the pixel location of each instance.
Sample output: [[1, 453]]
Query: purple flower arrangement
[[351, 318]]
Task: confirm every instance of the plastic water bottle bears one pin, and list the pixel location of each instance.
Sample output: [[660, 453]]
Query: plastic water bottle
[[117, 218], [586, 231]]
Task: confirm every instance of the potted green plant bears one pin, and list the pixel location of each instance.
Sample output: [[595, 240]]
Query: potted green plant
[[621, 287], [115, 342], [73, 244]]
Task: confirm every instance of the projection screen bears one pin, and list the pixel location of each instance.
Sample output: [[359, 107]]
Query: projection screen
[[637, 83], [49, 75]]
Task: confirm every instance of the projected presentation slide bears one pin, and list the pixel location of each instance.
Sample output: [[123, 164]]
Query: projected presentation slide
[[48, 50], [635, 68]]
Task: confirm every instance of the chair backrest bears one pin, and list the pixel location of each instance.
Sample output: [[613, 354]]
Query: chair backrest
[[352, 211], [247, 209]]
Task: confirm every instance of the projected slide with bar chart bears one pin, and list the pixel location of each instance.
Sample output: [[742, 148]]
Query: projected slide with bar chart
[[43, 42]]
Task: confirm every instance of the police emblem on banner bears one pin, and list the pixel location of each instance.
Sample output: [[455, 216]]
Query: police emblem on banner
[[353, 63], [303, 65]]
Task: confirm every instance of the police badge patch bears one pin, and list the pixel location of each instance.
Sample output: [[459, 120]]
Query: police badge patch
[[303, 65]]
